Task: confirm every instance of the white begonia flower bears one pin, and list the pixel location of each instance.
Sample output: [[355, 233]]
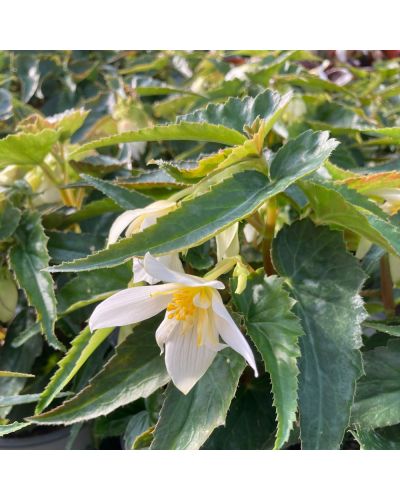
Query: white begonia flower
[[135, 221], [195, 319]]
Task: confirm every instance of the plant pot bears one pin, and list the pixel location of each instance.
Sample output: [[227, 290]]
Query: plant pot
[[53, 440]]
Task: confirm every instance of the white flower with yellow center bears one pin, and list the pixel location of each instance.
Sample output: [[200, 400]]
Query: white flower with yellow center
[[195, 320]]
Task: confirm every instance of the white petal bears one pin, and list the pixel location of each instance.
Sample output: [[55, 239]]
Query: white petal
[[121, 223], [131, 306], [160, 207], [158, 270], [171, 260], [147, 222], [201, 300], [165, 329], [363, 247], [206, 331], [152, 212], [390, 194], [230, 333], [186, 362], [139, 273], [250, 233], [228, 242]]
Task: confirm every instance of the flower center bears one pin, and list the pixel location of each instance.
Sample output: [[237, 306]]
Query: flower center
[[183, 304]]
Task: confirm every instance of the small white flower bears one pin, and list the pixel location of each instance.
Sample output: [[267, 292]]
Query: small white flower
[[135, 221], [195, 320]]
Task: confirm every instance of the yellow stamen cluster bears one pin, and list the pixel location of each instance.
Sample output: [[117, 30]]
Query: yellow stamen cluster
[[181, 305]]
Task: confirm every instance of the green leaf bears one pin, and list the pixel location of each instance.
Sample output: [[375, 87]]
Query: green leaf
[[235, 113], [126, 198], [90, 285], [28, 73], [26, 149], [147, 86], [135, 371], [263, 75], [23, 399], [387, 438], [170, 107], [275, 331], [312, 82], [15, 374], [187, 421], [8, 296], [92, 209], [6, 104], [199, 257], [28, 257], [325, 281], [68, 122], [184, 131], [97, 164], [202, 217], [343, 207], [194, 222], [305, 153], [189, 171], [389, 132], [9, 428], [137, 425], [144, 440], [9, 220], [69, 245], [26, 334], [150, 180], [383, 327], [19, 359], [81, 349], [378, 392], [338, 118], [250, 424], [112, 425]]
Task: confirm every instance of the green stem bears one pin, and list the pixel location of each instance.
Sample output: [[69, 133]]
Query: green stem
[[387, 287], [47, 170]]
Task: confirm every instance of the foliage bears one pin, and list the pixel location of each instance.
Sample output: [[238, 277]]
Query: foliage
[[294, 154]]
